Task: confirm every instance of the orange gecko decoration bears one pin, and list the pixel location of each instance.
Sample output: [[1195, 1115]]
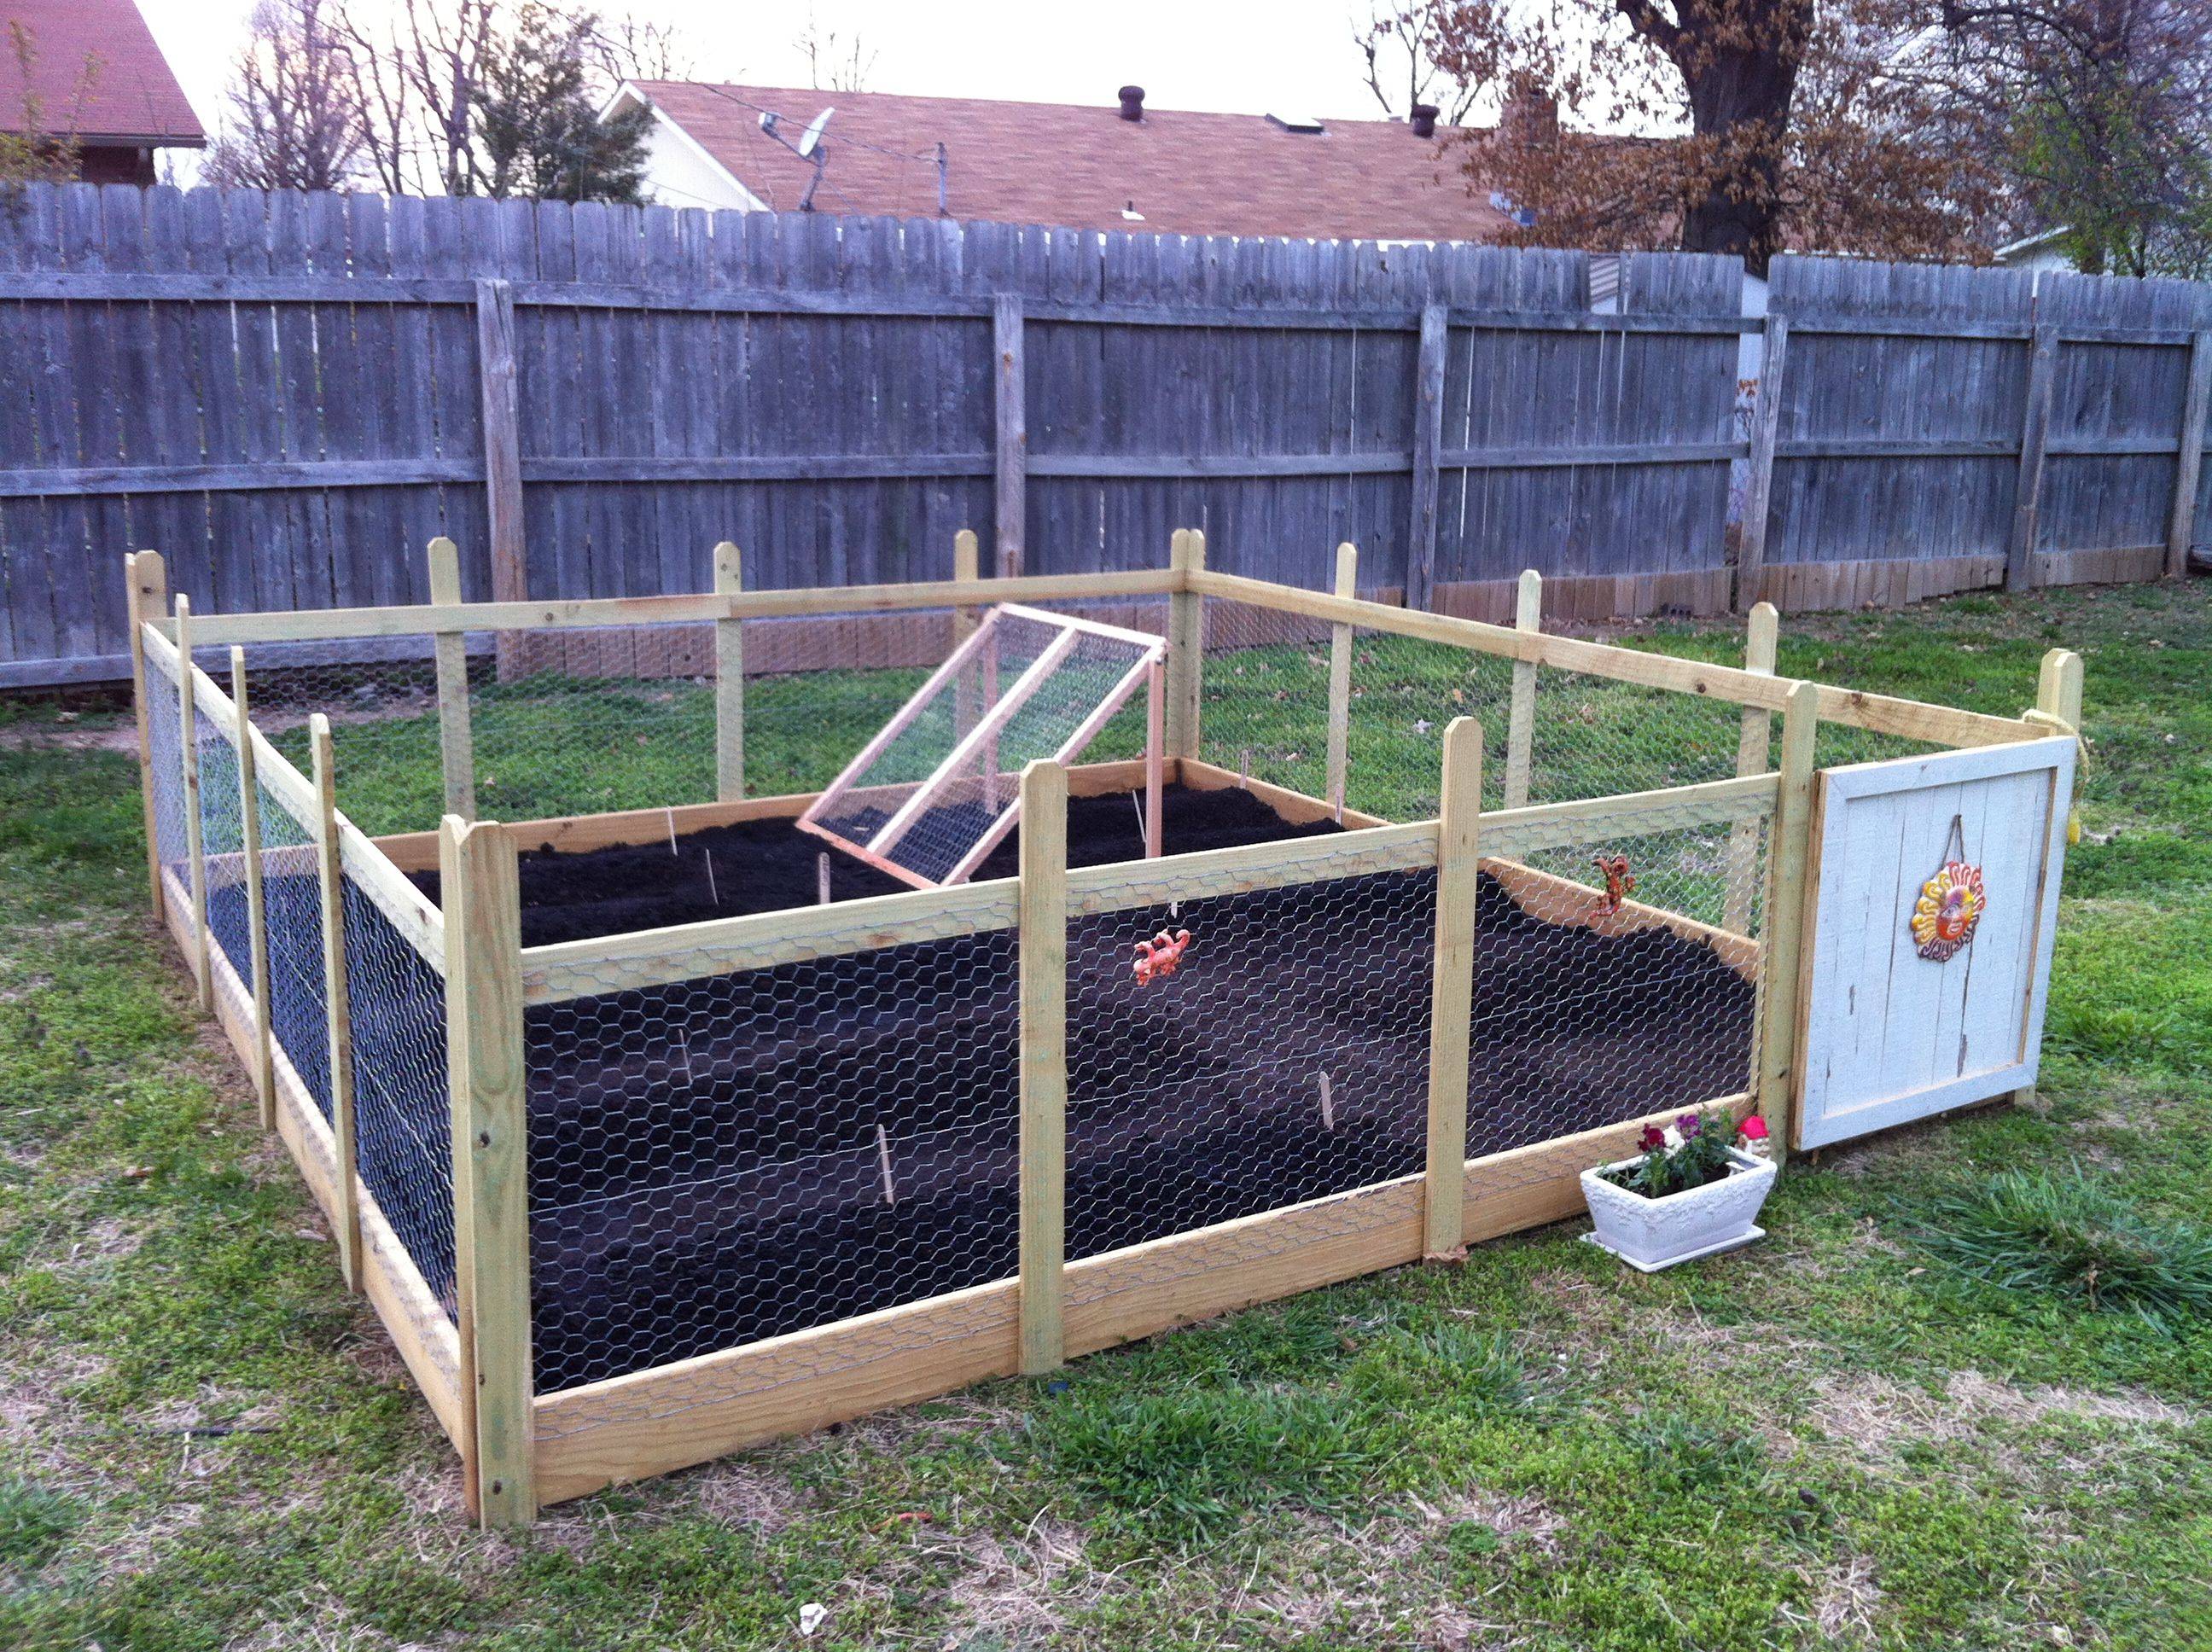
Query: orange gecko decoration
[[1157, 957], [1619, 881]]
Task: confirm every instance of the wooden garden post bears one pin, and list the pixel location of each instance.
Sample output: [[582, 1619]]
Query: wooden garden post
[[491, 1195], [148, 579], [1521, 723], [1788, 856], [2058, 707], [1751, 752], [729, 680], [1340, 639], [966, 568], [1452, 991], [1043, 1065], [188, 742], [2058, 687], [1186, 644], [456, 738], [345, 1175], [257, 926]]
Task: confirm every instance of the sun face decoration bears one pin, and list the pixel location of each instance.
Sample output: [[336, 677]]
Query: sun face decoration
[[1949, 906]]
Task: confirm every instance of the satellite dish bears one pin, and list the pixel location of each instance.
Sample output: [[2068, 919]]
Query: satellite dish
[[814, 134]]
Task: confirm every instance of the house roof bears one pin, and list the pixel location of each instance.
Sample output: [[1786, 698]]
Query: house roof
[[1081, 166], [95, 73]]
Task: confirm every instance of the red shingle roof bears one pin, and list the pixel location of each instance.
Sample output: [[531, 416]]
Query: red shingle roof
[[1078, 167], [96, 74]]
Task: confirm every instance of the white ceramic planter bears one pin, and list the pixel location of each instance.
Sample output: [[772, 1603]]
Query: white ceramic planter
[[1655, 1233]]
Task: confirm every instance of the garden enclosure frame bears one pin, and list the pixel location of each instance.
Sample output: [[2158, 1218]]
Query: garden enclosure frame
[[399, 1044]]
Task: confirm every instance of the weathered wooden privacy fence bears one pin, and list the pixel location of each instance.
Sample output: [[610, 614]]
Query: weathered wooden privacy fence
[[286, 393], [629, 1200]]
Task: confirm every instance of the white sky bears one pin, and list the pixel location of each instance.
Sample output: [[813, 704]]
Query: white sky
[[1251, 57]]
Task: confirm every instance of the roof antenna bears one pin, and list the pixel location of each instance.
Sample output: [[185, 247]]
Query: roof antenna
[[809, 147]]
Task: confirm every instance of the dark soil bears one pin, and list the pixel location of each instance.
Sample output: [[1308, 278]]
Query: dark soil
[[706, 1165], [766, 866]]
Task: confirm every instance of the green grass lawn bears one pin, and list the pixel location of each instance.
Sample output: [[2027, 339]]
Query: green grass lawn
[[1857, 1435]]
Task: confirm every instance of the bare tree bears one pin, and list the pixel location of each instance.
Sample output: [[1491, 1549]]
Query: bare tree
[[35, 148], [1399, 46], [634, 48], [295, 114], [832, 65]]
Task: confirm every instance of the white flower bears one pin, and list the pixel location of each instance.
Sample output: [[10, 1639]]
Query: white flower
[[1672, 1139]]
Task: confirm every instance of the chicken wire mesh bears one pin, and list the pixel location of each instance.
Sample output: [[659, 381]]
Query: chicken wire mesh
[[1593, 736], [1273, 1050], [739, 1156], [1615, 976], [1265, 712], [932, 797], [402, 1130], [292, 930], [165, 766], [223, 847]]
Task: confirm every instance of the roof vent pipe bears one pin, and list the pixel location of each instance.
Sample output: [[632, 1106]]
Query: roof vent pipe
[[1424, 116], [1133, 102]]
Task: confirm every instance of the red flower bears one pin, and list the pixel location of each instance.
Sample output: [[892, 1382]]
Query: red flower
[[1753, 1128], [1652, 1139]]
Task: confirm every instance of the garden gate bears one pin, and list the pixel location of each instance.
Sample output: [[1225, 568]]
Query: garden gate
[[1936, 892]]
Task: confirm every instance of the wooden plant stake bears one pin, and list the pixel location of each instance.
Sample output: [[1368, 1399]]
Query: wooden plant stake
[[1186, 645]]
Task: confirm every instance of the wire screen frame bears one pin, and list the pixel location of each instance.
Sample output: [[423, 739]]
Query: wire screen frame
[[979, 740]]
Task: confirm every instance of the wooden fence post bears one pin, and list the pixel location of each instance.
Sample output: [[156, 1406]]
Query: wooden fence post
[[1753, 749], [1428, 441], [491, 1195], [256, 925], [1043, 1065], [1452, 990], [729, 680], [1011, 465], [2034, 440], [2181, 523], [1521, 722], [1789, 854], [1340, 681], [1185, 645], [1759, 475], [456, 737], [967, 567], [345, 1175], [502, 449], [148, 581], [188, 743]]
